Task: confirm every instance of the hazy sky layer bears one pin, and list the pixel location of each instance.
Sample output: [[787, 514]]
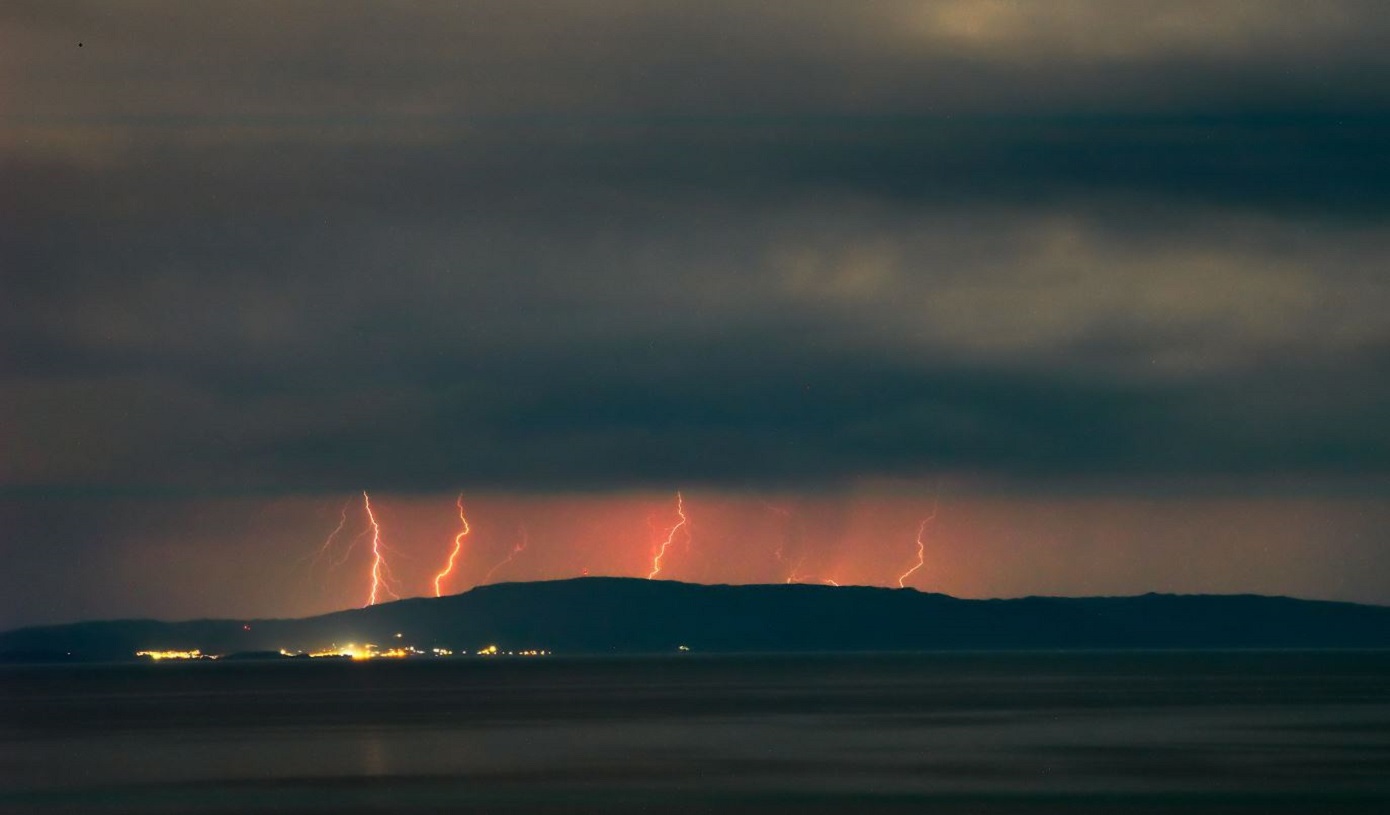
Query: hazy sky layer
[[1057, 254]]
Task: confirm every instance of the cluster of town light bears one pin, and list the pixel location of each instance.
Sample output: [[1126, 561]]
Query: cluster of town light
[[494, 651], [370, 651], [162, 655], [353, 650]]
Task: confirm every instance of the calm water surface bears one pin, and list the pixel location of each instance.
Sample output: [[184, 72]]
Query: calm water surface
[[957, 733]]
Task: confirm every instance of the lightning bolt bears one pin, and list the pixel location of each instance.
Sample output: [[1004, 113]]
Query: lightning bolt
[[380, 572], [458, 546], [921, 546], [319, 554], [670, 537], [516, 550], [325, 549], [350, 548], [328, 542], [829, 582]]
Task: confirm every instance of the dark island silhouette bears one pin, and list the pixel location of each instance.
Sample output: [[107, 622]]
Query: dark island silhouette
[[597, 615]]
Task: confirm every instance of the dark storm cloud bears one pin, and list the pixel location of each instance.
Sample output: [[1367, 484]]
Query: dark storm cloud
[[310, 246]]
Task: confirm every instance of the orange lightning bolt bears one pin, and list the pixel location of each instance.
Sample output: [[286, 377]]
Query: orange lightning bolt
[[516, 550], [921, 547], [379, 569], [458, 546], [670, 536]]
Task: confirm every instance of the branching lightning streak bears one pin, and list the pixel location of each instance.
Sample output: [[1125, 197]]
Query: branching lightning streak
[[516, 550], [829, 582], [670, 536], [327, 545], [351, 547], [379, 568], [921, 547], [328, 542], [458, 546]]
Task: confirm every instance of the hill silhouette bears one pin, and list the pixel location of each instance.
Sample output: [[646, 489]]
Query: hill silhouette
[[627, 615]]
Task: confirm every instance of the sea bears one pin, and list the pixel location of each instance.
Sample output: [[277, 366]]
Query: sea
[[1035, 732]]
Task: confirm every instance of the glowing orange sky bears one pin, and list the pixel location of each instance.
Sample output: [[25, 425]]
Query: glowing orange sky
[[257, 558], [254, 557]]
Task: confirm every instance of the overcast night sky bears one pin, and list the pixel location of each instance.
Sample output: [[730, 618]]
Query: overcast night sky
[[1105, 283]]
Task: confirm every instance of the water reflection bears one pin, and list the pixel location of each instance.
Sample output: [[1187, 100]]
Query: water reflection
[[1020, 732]]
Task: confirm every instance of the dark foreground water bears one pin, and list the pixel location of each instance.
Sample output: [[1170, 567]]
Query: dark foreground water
[[976, 733]]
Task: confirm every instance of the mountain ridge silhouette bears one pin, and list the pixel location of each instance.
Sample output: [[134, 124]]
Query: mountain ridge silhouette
[[608, 615]]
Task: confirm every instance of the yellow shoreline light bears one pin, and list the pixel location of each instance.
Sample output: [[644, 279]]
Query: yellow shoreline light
[[354, 651], [160, 655]]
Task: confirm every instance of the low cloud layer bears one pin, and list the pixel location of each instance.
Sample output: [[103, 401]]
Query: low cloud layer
[[307, 247]]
